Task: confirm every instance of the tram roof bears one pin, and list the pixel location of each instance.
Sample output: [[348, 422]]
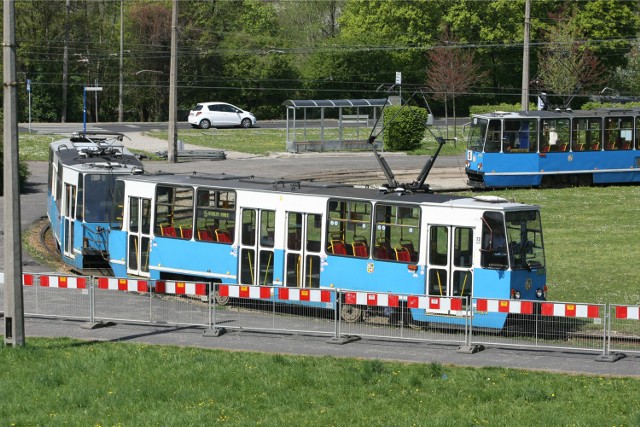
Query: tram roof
[[551, 114], [335, 103], [317, 188], [87, 156]]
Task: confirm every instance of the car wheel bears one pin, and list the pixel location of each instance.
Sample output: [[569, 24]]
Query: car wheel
[[245, 123], [205, 124]]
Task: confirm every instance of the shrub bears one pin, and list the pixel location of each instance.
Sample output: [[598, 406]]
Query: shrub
[[404, 128], [23, 172], [483, 109], [592, 105]]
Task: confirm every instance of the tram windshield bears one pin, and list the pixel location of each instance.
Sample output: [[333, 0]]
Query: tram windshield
[[477, 133], [512, 240], [97, 204]]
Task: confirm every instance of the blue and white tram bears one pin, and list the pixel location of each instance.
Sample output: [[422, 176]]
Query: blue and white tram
[[82, 173], [548, 148], [250, 231]]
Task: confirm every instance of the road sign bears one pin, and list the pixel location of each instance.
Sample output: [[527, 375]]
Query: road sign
[[93, 88], [28, 85]]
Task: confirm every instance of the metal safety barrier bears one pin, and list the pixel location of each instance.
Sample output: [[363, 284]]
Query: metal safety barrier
[[343, 315]]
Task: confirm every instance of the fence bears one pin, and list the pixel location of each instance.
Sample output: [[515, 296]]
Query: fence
[[342, 315]]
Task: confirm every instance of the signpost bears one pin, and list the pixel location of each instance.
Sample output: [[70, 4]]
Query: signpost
[[84, 103], [29, 92]]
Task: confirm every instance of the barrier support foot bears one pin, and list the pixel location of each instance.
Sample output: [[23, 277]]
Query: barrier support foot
[[96, 325], [215, 332], [344, 339], [470, 349], [611, 357]]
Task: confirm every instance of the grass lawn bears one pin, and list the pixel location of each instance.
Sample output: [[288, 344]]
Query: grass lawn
[[52, 382]]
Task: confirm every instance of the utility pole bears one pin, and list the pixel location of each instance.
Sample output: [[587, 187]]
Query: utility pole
[[172, 153], [120, 87], [525, 57], [13, 298]]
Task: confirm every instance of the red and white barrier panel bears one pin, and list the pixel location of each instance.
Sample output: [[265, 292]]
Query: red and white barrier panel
[[627, 312], [434, 304], [371, 299], [570, 310], [311, 295], [64, 282], [504, 306], [181, 288], [128, 285], [243, 291]]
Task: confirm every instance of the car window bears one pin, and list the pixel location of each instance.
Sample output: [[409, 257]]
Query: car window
[[197, 107], [227, 109], [214, 107]]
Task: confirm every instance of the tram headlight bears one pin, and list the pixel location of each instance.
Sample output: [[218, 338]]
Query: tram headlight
[[516, 295], [539, 293]]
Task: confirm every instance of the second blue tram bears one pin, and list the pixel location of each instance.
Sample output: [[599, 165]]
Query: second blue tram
[[250, 231], [549, 148]]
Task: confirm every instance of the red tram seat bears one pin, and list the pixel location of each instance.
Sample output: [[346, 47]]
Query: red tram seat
[[626, 145], [564, 147], [595, 147], [381, 252], [360, 249], [186, 232], [402, 254], [337, 247], [223, 236], [205, 235], [545, 149], [168, 231]]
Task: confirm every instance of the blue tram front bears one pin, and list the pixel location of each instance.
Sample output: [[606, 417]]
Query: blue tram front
[[80, 197], [530, 149], [248, 231]]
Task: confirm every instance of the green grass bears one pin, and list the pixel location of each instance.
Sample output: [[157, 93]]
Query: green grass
[[67, 382], [265, 141], [35, 147], [591, 240]]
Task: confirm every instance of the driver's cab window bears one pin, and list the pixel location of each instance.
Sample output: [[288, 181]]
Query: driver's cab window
[[494, 242]]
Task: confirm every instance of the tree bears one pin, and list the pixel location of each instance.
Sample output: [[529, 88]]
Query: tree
[[567, 65], [451, 72]]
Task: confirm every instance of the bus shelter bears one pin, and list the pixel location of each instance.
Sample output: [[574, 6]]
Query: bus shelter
[[333, 125]]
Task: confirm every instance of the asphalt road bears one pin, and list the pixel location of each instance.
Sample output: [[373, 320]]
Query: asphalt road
[[33, 207]]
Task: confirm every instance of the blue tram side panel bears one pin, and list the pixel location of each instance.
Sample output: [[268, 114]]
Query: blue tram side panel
[[80, 194], [539, 148], [250, 231]]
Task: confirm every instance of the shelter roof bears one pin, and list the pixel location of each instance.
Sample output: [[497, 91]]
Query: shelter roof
[[323, 103]]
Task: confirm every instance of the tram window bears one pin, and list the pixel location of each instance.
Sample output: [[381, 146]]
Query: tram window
[[637, 136], [438, 245], [587, 134], [463, 247], [118, 206], [294, 231], [477, 134], [349, 229], [494, 243], [267, 228], [397, 233], [555, 135], [493, 141], [249, 227], [215, 215], [520, 136], [174, 209], [618, 134], [524, 237], [96, 207], [314, 232]]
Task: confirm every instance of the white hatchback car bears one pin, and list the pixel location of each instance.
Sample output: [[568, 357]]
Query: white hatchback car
[[220, 114]]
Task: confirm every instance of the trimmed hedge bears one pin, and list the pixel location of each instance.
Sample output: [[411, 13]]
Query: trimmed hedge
[[404, 128]]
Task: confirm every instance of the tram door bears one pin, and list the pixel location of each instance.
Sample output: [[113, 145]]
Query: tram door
[[257, 247], [449, 261], [69, 214], [139, 240], [302, 250]]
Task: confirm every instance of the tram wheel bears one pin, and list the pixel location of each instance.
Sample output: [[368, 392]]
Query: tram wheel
[[350, 313]]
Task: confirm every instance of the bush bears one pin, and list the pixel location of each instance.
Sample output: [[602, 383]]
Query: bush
[[23, 172], [484, 109], [592, 105], [404, 128], [269, 112]]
